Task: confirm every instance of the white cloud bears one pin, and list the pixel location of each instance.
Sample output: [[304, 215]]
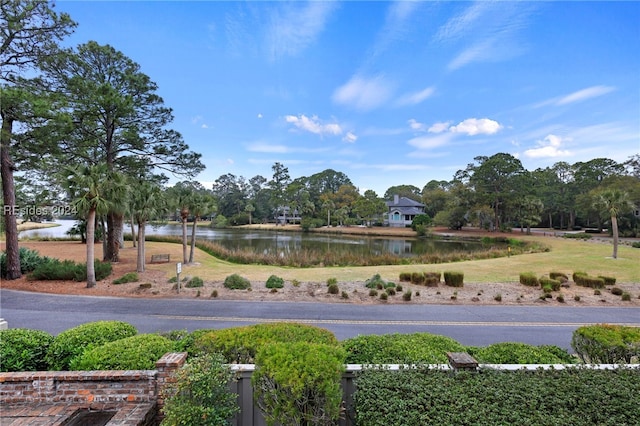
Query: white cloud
[[549, 147], [429, 142], [295, 26], [313, 125], [416, 97], [267, 148], [204, 126], [364, 94], [581, 95], [259, 115], [476, 126], [439, 127], [415, 125], [350, 137]]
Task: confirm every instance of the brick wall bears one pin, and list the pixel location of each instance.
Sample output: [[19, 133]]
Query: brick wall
[[90, 388]]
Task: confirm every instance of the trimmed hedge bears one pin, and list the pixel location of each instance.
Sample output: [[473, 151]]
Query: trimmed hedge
[[139, 352], [29, 260], [400, 348], [584, 280], [73, 342], [606, 344], [520, 353], [529, 279], [22, 349], [299, 383], [550, 282], [422, 397], [240, 344]]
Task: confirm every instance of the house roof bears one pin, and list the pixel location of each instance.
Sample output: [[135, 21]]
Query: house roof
[[407, 210], [403, 202]]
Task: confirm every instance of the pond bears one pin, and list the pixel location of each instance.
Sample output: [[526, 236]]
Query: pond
[[269, 242]]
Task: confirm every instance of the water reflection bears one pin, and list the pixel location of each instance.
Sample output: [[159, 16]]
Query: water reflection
[[282, 243]]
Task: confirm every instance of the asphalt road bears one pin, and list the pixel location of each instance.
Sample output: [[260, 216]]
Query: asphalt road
[[470, 325]]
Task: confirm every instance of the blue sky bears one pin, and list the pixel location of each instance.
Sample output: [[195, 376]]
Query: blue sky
[[388, 93]]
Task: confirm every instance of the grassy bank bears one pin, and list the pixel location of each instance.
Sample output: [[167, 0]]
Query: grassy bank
[[565, 256]]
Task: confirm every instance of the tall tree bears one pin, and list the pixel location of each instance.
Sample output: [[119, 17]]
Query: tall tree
[[30, 31], [181, 199], [496, 178], [87, 187], [118, 119], [278, 185], [613, 203], [146, 202], [369, 206], [408, 191], [201, 204]]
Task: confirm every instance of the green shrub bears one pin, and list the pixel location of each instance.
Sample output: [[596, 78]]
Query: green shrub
[[399, 288], [560, 298], [68, 270], [529, 279], [274, 282], [384, 296], [608, 280], [424, 397], [332, 281], [72, 342], [625, 297], [453, 279], [375, 282], [236, 282], [129, 277], [407, 296], [239, 344], [518, 353], [200, 394], [400, 348], [194, 282], [139, 352], [584, 280], [23, 349], [373, 292], [333, 289], [299, 383], [551, 283], [344, 295], [391, 291], [29, 260], [616, 291], [635, 244], [606, 344], [498, 297]]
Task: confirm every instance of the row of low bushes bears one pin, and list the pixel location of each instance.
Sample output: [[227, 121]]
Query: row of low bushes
[[299, 367], [78, 347], [556, 279], [45, 268]]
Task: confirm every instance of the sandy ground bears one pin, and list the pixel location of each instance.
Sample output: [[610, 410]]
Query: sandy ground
[[156, 278]]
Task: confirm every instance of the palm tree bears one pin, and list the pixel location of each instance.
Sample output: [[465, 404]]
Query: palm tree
[[147, 200], [613, 203], [87, 187], [201, 204], [180, 197]]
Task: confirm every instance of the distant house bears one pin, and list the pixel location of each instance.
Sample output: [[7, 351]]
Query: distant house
[[284, 215], [402, 211]]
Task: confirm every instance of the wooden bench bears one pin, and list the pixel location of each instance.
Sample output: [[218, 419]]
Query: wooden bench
[[160, 258]]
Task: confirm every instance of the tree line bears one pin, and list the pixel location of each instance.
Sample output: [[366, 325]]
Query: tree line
[[85, 126]]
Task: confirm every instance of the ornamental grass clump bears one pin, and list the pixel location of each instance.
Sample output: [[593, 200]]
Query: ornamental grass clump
[[299, 383], [549, 282], [194, 282], [432, 279], [453, 279], [129, 277]]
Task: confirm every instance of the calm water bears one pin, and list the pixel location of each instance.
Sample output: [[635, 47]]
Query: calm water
[[284, 242]]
